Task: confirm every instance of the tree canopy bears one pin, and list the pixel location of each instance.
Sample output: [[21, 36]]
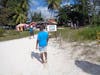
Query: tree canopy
[[13, 11]]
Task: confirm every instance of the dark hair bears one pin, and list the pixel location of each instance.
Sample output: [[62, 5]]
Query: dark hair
[[41, 27]]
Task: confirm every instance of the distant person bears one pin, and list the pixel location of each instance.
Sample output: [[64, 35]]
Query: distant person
[[75, 23], [34, 27], [31, 30], [42, 42]]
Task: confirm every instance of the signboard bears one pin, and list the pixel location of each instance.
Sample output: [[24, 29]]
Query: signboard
[[51, 28]]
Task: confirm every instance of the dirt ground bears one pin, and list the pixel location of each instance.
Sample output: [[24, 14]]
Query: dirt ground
[[19, 57]]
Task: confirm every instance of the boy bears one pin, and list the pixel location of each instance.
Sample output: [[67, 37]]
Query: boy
[[42, 41], [31, 31]]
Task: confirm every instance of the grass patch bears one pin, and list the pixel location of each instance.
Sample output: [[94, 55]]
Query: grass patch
[[82, 34], [13, 34]]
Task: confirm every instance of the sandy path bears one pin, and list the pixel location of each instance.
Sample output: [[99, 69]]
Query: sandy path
[[19, 57]]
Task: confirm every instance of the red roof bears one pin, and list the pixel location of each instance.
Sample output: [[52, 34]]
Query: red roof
[[33, 23], [52, 21]]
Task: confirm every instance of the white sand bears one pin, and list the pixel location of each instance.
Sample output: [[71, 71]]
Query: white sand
[[19, 57]]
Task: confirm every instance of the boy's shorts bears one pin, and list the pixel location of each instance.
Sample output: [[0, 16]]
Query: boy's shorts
[[42, 49], [32, 33]]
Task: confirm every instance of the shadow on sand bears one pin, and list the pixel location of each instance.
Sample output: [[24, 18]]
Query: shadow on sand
[[35, 55], [88, 67]]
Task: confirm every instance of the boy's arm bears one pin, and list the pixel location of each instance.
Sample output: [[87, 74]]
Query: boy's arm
[[48, 38], [37, 44], [37, 41]]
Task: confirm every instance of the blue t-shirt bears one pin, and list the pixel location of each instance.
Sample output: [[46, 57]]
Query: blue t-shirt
[[31, 29], [42, 38]]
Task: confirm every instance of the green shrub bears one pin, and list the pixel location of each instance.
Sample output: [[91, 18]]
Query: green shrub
[[2, 32], [12, 32], [87, 34]]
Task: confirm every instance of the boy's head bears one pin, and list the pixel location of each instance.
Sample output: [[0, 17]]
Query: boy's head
[[31, 26], [41, 27]]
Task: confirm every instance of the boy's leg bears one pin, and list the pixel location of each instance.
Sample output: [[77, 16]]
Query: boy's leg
[[42, 55], [33, 33], [30, 34], [45, 53]]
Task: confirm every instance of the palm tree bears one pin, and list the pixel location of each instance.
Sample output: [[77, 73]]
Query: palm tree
[[53, 5], [83, 7], [21, 12], [3, 12], [13, 12], [62, 15]]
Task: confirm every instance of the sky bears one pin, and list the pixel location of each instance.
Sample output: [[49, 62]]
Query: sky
[[41, 6]]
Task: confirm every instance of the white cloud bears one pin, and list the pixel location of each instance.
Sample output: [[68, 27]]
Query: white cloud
[[34, 2], [44, 11]]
